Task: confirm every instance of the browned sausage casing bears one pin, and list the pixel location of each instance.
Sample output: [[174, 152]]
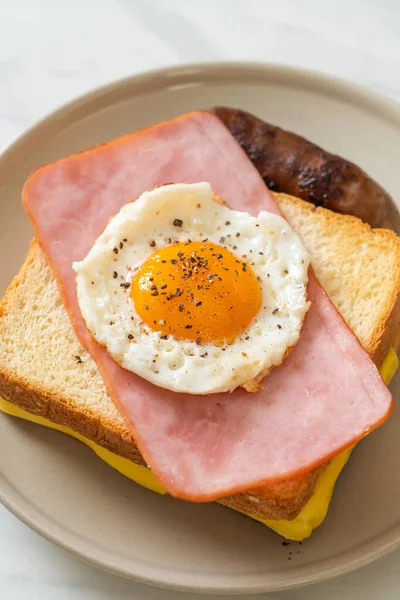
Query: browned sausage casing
[[288, 163]]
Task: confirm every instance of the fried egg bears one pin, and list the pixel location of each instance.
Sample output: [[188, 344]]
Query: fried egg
[[191, 295]]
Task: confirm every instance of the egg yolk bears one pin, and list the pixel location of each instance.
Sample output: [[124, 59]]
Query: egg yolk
[[196, 291]]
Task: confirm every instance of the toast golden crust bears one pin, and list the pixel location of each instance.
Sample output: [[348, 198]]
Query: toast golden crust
[[354, 235], [54, 384]]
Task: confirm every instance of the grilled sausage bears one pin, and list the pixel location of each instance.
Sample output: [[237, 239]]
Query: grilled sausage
[[288, 163]]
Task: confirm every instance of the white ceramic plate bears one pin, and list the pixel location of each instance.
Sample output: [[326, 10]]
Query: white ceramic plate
[[58, 486]]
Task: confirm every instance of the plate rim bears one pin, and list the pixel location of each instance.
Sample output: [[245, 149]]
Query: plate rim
[[158, 79]]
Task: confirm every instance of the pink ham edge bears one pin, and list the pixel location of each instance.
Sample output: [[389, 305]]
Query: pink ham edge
[[326, 396]]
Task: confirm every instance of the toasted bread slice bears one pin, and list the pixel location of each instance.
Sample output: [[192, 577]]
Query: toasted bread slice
[[44, 369]]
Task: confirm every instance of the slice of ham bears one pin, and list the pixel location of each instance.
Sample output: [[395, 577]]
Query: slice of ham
[[326, 396]]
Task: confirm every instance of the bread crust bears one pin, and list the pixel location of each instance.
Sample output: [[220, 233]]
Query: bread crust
[[386, 333]]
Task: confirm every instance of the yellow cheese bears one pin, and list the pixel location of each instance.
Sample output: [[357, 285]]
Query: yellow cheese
[[389, 366], [311, 515], [140, 475]]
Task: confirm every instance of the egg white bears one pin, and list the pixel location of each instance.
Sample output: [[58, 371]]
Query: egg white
[[274, 252]]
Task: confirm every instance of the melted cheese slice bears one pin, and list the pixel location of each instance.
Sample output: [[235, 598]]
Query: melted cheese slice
[[311, 515]]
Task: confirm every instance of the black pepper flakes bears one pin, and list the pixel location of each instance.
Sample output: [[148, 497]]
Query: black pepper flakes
[[164, 337], [115, 250], [199, 303], [115, 274], [174, 261], [121, 245], [279, 326], [227, 222], [275, 311], [181, 307], [78, 359], [130, 337], [177, 223], [163, 287], [198, 341], [125, 284], [154, 293], [152, 243]]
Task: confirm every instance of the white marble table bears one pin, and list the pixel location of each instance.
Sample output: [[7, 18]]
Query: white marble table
[[51, 51]]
